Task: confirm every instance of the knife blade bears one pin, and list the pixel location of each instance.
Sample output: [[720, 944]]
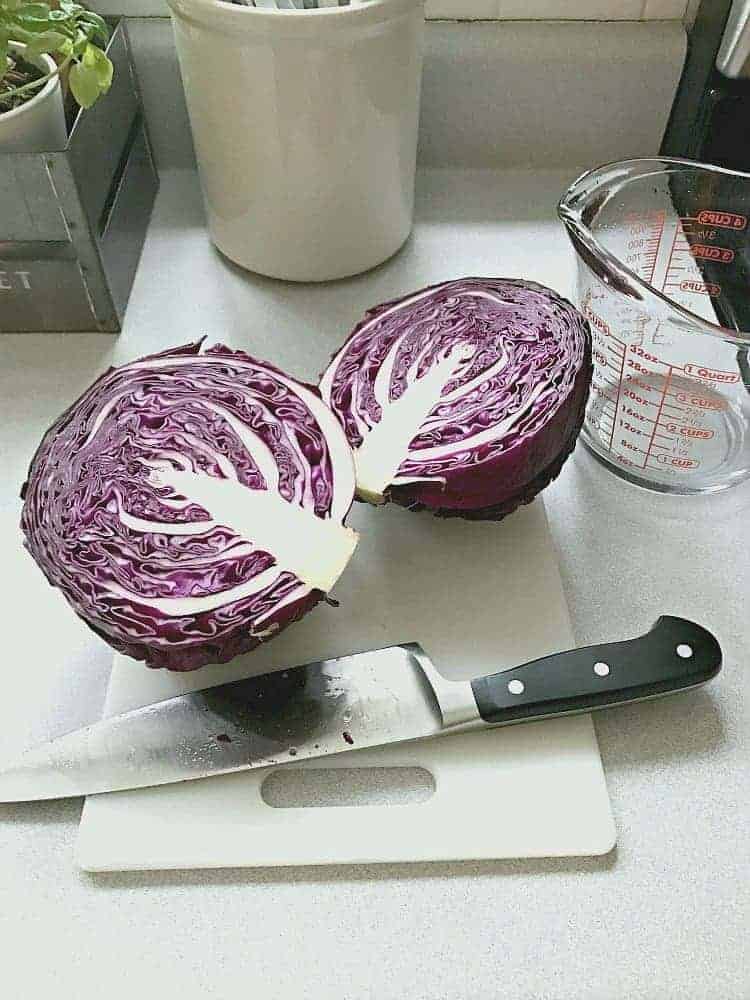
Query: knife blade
[[351, 702]]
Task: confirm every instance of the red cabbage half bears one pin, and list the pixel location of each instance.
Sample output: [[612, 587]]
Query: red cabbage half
[[190, 505], [465, 397]]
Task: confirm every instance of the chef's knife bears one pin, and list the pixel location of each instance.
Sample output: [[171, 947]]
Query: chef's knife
[[364, 700]]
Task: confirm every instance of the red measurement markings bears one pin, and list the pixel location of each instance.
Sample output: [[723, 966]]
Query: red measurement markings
[[673, 278], [711, 374], [601, 392], [650, 245], [701, 402], [619, 392], [635, 414], [624, 443], [678, 463], [641, 353], [670, 258], [651, 443], [626, 425], [724, 220], [721, 255], [636, 366], [700, 288], [634, 380], [597, 320], [686, 431], [629, 394]]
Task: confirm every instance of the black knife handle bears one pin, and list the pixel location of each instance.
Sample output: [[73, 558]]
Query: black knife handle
[[676, 654]]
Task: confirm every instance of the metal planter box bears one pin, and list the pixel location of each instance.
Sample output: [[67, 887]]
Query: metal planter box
[[73, 221]]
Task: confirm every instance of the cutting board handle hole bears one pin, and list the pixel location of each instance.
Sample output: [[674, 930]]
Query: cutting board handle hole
[[336, 787]]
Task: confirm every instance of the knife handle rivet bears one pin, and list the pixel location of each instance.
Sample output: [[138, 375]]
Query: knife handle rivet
[[601, 669], [516, 687], [684, 651]]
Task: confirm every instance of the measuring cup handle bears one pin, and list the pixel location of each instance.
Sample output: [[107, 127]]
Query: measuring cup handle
[[673, 656]]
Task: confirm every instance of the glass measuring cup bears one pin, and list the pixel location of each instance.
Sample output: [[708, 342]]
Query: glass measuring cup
[[663, 255]]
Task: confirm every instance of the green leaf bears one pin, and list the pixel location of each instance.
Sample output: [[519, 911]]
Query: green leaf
[[21, 34], [96, 61], [32, 23], [89, 56], [85, 84], [33, 16], [97, 22], [105, 71], [47, 41], [80, 42], [39, 10]]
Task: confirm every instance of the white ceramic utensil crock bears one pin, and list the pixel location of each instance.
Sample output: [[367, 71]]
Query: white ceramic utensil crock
[[305, 129]]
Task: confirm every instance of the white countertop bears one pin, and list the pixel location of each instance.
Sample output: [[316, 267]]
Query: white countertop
[[664, 916]]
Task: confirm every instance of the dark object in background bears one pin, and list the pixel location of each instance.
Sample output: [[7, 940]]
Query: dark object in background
[[710, 122], [73, 222], [705, 100]]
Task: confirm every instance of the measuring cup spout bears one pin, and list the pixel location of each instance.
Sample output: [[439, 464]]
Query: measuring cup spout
[[590, 255], [600, 202]]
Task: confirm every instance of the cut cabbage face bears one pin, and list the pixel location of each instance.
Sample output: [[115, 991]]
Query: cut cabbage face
[[190, 505], [465, 397]]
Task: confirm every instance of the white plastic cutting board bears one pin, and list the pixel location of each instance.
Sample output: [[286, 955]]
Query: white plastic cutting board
[[479, 597]]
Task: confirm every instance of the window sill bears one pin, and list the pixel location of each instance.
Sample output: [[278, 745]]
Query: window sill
[[478, 10]]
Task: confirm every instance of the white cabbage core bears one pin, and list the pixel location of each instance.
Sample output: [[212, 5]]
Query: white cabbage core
[[313, 549]]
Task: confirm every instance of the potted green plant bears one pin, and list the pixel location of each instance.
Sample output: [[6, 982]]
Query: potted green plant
[[42, 44]]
